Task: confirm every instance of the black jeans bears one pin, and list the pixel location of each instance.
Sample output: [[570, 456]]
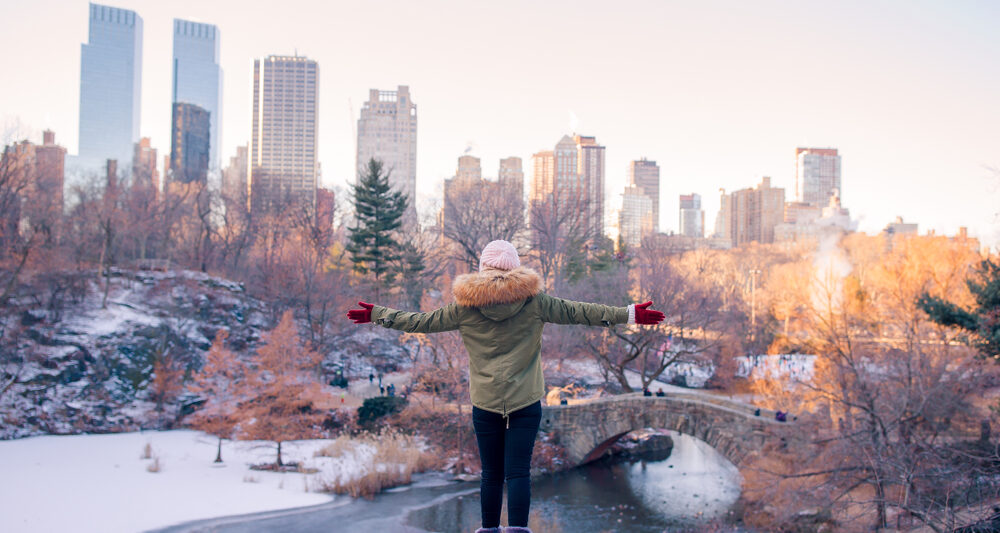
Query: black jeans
[[505, 446]]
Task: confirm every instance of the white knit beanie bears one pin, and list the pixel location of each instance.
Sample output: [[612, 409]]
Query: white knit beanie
[[499, 254]]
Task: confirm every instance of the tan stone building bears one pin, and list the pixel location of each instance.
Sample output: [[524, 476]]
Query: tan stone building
[[387, 131], [750, 215]]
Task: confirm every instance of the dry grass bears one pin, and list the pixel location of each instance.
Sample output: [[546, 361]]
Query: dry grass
[[250, 479], [396, 458], [147, 451], [155, 466]]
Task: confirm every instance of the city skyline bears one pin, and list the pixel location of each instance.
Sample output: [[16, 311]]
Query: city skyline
[[907, 112]]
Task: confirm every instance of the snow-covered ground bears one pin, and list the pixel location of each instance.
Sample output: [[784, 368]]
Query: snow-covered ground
[[100, 483]]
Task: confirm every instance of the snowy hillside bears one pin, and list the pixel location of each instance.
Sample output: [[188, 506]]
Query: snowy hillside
[[87, 368]]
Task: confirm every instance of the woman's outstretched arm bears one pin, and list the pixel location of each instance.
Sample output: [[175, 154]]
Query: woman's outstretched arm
[[561, 311], [442, 319]]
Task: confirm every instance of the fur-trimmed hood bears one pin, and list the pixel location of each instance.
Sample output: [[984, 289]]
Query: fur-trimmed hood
[[494, 287]]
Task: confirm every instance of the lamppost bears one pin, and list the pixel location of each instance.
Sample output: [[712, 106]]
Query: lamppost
[[753, 304]]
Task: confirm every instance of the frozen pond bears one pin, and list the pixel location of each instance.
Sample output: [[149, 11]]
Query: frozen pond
[[693, 484]]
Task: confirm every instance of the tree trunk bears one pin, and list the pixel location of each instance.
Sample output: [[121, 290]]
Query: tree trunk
[[218, 452], [279, 454]]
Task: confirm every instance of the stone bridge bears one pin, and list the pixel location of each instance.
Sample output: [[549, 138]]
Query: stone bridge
[[587, 429]]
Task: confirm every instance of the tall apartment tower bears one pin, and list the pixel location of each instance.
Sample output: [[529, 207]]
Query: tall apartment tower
[[283, 165], [635, 220], [692, 217], [645, 174], [590, 167], [387, 131], [234, 176], [470, 169], [110, 86], [817, 175], [190, 138], [572, 175], [750, 215], [543, 172], [144, 161], [510, 174], [198, 77]]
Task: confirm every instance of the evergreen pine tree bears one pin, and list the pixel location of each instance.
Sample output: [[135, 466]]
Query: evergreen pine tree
[[981, 323], [378, 212]]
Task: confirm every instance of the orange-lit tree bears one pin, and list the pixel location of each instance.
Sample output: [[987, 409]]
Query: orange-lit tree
[[283, 390], [221, 381], [879, 440]]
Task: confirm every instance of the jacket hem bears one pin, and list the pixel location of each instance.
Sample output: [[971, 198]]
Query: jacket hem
[[511, 410]]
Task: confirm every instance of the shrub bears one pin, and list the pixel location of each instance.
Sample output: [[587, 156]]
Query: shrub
[[375, 408], [396, 458]]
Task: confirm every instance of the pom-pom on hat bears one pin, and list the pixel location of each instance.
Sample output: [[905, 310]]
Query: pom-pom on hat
[[499, 254]]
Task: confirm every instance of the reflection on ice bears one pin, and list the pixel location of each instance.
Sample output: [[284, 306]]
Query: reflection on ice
[[695, 483]]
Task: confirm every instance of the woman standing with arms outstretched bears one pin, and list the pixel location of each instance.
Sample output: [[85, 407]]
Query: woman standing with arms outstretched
[[500, 312]]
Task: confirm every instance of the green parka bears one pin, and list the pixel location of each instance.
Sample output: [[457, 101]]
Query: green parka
[[500, 315]]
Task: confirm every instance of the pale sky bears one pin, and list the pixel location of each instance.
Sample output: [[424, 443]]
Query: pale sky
[[718, 93]]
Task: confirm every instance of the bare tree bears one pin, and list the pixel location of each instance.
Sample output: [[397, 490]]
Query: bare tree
[[561, 227], [694, 332], [479, 212], [888, 418]]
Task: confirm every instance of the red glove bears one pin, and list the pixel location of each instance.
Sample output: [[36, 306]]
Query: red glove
[[363, 316], [647, 316]]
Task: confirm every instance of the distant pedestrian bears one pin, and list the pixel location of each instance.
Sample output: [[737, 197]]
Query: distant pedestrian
[[756, 412], [660, 392], [342, 398], [646, 392], [371, 378], [381, 389], [780, 416]]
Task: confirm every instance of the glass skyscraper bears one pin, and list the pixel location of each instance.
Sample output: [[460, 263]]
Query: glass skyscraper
[[198, 77], [110, 87], [189, 144]]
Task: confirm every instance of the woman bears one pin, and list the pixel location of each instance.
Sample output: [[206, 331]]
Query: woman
[[499, 312]]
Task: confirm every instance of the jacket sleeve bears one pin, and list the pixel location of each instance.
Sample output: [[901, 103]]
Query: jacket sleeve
[[441, 319], [559, 311]]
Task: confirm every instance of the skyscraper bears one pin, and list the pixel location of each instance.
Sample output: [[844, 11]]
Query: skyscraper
[[234, 176], [692, 217], [511, 175], [543, 172], [110, 86], [144, 163], [387, 131], [635, 220], [283, 164], [817, 175], [190, 132], [572, 177], [645, 174], [590, 167], [198, 77]]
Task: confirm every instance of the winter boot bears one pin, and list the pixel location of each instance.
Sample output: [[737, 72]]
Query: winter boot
[[516, 529], [497, 529]]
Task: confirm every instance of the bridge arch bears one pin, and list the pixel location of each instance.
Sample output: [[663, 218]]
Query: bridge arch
[[585, 430]]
